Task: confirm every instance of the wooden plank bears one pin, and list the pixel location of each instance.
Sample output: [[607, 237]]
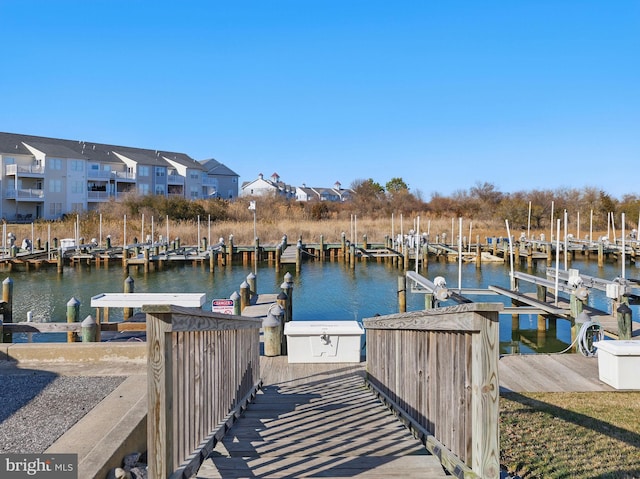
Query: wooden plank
[[317, 420]]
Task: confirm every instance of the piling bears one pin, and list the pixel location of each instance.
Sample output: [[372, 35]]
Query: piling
[[478, 253], [230, 250], [251, 281], [287, 288], [428, 301], [278, 256], [73, 316], [7, 307], [282, 301], [272, 331], [128, 288], [321, 249], [352, 256], [402, 294], [245, 295], [343, 245], [212, 261], [235, 297], [624, 321], [60, 262], [89, 328], [600, 255], [299, 256]]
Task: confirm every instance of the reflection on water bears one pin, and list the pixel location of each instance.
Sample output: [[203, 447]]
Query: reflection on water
[[321, 291]]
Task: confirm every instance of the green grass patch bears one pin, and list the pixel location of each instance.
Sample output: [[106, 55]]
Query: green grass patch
[[571, 435]]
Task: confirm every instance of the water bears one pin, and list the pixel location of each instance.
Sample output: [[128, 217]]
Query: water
[[321, 291]]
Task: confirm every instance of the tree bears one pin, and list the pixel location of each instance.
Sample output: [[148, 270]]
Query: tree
[[368, 196], [396, 185]]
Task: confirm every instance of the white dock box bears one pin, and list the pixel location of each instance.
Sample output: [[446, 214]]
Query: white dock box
[[619, 363], [323, 341]]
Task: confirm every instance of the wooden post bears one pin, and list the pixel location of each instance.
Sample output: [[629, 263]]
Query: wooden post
[[321, 249], [7, 299], [160, 392], [60, 261], [278, 255], [245, 295], [251, 281], [352, 256], [600, 255], [287, 288], [343, 243], [299, 256], [485, 455], [282, 300], [402, 294], [405, 257], [235, 297], [89, 327], [478, 252], [624, 321], [272, 328], [128, 288], [146, 259], [73, 316], [428, 301], [230, 250], [212, 261]]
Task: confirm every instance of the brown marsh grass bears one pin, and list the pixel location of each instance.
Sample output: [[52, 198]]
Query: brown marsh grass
[[269, 230]]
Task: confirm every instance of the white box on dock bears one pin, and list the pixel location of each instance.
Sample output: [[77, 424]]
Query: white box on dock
[[323, 341], [619, 362]]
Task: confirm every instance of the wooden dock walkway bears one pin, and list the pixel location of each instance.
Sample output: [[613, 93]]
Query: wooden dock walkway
[[318, 420]]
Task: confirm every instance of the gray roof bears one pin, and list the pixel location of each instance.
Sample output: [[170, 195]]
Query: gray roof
[[101, 152], [55, 150], [214, 167]]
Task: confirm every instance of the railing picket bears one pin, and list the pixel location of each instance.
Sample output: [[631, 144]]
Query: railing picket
[[440, 367]]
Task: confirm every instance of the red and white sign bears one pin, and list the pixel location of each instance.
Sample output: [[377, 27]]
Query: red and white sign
[[224, 306]]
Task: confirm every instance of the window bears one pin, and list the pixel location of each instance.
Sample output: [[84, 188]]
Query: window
[[55, 186], [143, 171], [160, 190], [77, 165], [194, 175], [55, 163], [160, 171], [194, 192], [77, 187], [9, 160], [143, 189], [55, 209], [77, 207]]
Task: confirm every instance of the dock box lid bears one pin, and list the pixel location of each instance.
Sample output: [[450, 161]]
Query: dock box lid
[[313, 328], [619, 347]]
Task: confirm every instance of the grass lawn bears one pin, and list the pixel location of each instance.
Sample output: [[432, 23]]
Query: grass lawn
[[571, 435]]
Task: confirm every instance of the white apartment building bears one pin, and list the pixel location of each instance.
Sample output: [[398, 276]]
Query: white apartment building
[[48, 177]]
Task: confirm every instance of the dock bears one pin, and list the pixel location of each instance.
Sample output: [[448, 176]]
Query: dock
[[318, 420]]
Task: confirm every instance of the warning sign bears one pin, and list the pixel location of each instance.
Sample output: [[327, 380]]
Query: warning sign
[[224, 306]]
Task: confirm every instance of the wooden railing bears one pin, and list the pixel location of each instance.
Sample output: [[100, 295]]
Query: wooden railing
[[203, 368], [439, 370]]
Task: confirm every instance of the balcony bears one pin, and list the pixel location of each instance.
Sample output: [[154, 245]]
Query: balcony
[[24, 170], [98, 195], [99, 174], [208, 181], [123, 175], [24, 194], [175, 179]]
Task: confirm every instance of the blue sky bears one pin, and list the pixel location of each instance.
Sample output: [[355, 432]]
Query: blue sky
[[522, 94]]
